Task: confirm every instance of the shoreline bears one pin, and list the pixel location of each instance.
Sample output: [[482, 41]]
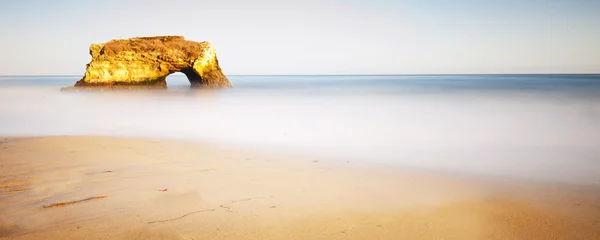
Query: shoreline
[[216, 192], [292, 154]]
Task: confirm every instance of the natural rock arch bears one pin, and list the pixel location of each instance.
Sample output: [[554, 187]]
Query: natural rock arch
[[147, 61]]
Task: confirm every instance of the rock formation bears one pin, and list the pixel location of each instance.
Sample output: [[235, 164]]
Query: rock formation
[[147, 61]]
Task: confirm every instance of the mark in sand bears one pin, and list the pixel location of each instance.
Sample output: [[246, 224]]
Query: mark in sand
[[185, 215], [72, 202], [229, 208]]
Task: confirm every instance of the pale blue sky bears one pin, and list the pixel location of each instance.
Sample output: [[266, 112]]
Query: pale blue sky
[[316, 37]]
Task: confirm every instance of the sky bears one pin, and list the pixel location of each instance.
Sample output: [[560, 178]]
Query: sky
[[316, 36]]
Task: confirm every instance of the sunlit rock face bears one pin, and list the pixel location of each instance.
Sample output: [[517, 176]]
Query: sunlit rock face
[[147, 61]]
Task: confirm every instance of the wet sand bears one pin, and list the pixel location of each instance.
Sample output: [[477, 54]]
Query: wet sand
[[125, 188]]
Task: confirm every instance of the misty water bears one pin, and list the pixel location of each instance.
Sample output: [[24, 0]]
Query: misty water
[[539, 127]]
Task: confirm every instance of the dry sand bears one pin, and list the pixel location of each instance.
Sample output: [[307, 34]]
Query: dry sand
[[166, 189]]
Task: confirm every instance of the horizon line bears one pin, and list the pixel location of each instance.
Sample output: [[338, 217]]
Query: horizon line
[[333, 74]]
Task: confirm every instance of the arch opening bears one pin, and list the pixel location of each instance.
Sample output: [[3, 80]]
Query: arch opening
[[193, 77]]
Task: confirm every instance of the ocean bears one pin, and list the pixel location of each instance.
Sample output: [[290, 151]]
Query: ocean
[[537, 127]]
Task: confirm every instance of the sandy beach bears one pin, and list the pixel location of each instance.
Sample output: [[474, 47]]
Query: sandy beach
[[126, 188]]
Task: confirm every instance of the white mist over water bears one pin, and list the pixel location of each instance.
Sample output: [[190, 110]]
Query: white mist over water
[[543, 135]]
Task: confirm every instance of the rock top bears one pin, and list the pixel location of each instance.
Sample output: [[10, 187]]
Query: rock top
[[147, 61]]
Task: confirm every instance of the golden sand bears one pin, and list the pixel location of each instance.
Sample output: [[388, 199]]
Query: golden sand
[[166, 189]]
